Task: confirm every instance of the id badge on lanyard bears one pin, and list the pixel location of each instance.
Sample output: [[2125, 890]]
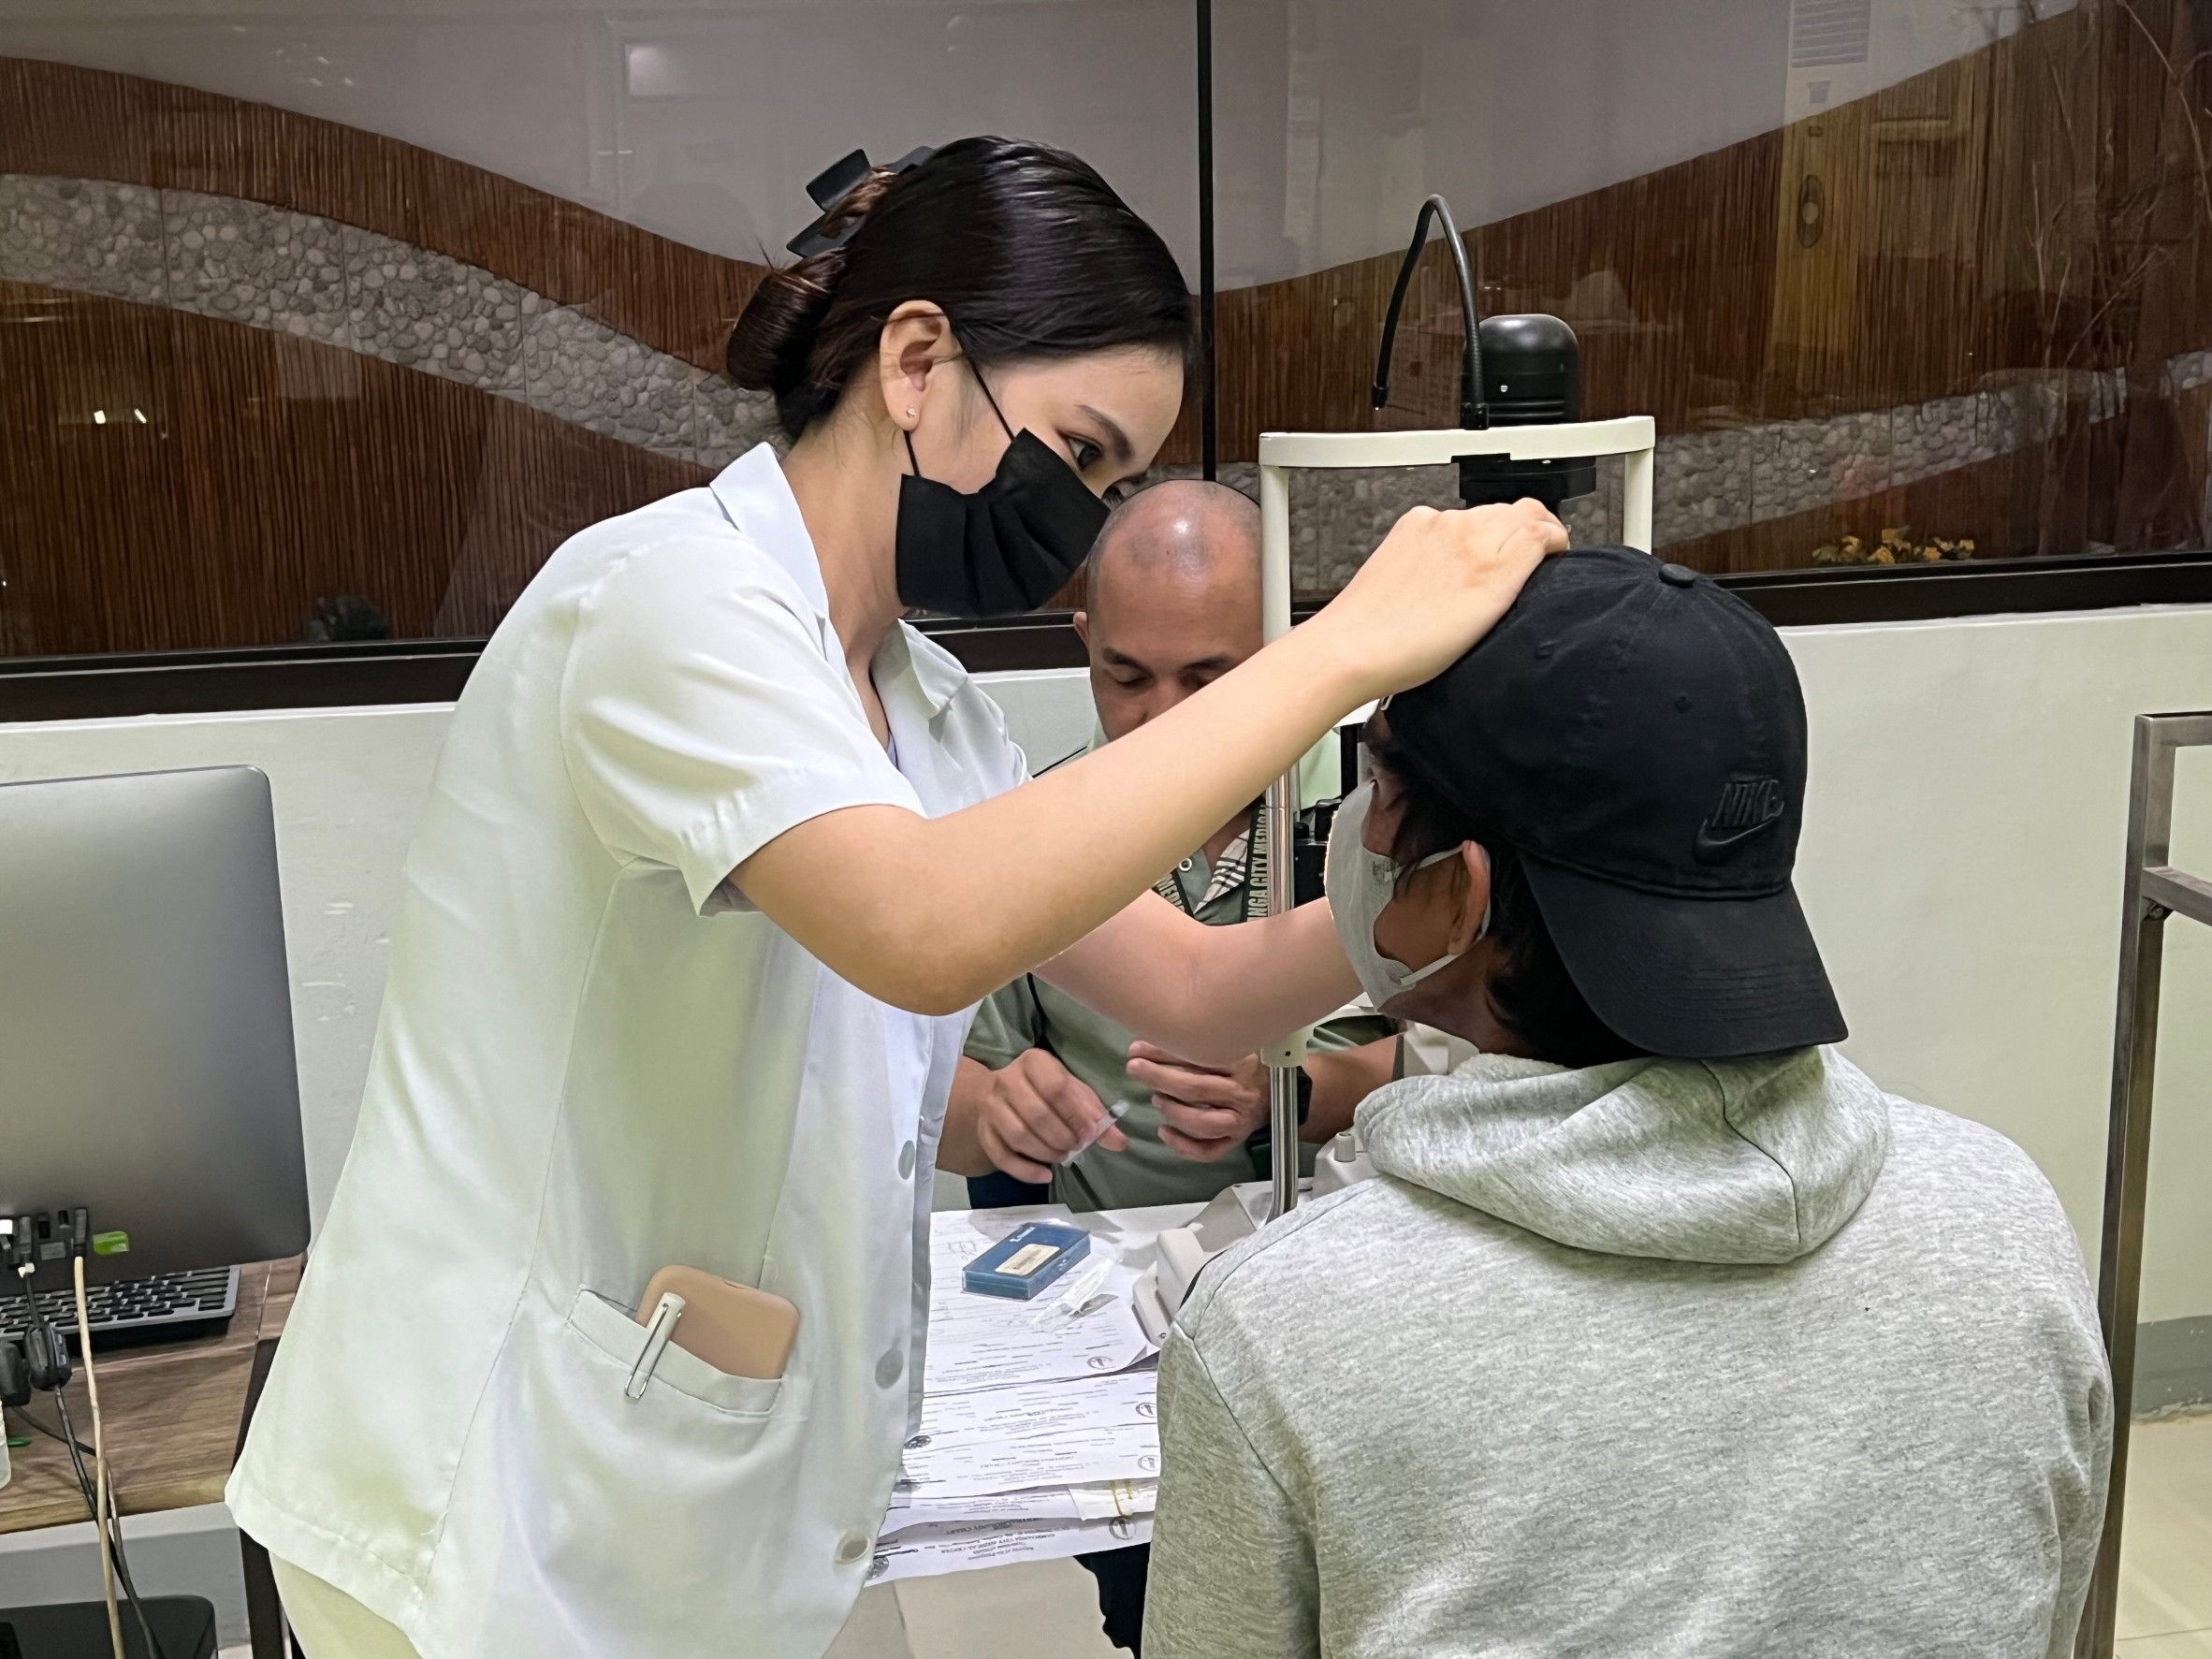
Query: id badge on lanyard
[[1169, 888]]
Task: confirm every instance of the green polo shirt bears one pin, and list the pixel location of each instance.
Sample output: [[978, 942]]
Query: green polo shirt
[[1031, 1013]]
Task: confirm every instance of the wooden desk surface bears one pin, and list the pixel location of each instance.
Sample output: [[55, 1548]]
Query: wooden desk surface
[[172, 1415]]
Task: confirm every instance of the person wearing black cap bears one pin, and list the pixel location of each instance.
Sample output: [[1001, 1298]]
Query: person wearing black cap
[[1664, 1329]]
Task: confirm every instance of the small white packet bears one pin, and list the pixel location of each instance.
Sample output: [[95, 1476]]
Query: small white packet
[[1082, 1287]]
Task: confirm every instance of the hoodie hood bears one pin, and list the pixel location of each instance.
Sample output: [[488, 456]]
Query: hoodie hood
[[1752, 1160]]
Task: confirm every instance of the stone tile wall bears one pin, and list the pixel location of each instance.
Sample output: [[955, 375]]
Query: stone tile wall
[[425, 310], [314, 278], [1729, 478], [88, 234]]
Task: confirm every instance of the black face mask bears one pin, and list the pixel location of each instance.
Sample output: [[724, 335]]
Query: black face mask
[[1007, 547]]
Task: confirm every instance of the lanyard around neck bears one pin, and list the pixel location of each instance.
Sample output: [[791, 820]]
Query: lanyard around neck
[[1169, 888]]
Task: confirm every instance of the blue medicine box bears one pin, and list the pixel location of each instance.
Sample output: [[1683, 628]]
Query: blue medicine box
[[1026, 1260]]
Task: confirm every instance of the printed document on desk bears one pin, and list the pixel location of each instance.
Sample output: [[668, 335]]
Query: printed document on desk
[[1054, 1433], [1037, 1437], [960, 1547], [1107, 1500], [988, 1341], [927, 1535]]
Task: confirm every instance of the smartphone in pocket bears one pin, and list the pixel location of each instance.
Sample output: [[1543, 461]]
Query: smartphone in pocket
[[737, 1330]]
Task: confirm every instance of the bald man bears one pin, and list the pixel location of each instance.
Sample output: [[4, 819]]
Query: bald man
[[1170, 603]]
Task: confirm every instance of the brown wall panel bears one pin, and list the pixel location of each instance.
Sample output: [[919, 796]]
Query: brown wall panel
[[89, 512], [84, 123], [268, 471], [680, 299], [57, 118], [224, 146], [538, 481], [2036, 205], [309, 472], [60, 119], [1666, 277], [1877, 245]]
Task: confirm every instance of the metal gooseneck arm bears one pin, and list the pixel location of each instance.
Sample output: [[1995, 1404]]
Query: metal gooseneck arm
[[1474, 405]]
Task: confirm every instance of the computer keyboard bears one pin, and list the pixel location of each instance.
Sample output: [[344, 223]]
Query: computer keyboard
[[164, 1306]]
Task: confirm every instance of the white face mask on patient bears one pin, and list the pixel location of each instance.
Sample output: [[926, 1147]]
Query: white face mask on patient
[[1359, 885]]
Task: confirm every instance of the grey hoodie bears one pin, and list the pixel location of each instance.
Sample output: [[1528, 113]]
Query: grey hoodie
[[1661, 1358]]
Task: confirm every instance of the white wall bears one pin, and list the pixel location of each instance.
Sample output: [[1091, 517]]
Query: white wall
[[1962, 869], [1961, 866], [1049, 713]]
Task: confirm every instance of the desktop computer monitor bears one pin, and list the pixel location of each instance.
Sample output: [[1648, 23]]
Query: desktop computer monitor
[[146, 1066]]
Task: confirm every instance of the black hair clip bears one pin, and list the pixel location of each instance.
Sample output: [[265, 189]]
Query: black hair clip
[[832, 185]]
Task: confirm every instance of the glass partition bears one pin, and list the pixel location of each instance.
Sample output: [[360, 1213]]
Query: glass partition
[[334, 324], [1901, 281]]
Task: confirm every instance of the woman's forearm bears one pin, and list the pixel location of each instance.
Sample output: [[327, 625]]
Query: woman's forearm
[[933, 915], [1211, 995]]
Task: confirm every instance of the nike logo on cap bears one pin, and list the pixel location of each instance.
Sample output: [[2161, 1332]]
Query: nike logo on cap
[[1747, 806]]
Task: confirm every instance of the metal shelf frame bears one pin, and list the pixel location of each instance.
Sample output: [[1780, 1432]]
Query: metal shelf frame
[[2153, 890]]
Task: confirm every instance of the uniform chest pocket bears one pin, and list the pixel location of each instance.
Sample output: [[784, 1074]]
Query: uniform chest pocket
[[621, 1338]]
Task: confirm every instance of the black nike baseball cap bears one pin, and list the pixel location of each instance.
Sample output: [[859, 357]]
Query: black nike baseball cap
[[1635, 732]]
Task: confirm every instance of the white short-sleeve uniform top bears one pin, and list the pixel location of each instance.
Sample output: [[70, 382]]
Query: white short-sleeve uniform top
[[595, 1060]]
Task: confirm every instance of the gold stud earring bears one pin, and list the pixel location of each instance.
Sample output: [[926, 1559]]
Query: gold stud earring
[[909, 412]]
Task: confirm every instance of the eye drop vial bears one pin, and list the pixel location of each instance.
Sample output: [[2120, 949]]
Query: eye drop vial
[[1115, 1110]]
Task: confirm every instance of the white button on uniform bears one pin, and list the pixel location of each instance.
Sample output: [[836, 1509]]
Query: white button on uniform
[[906, 1160], [852, 1547], [889, 1367]]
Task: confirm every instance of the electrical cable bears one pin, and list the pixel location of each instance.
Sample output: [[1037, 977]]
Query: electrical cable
[[1474, 399], [91, 1389], [122, 1571], [52, 1433], [112, 1538], [1061, 761], [50, 1371]]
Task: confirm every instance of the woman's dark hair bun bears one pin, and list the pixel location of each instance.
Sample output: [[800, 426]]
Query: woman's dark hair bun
[[773, 338], [772, 348], [1027, 251]]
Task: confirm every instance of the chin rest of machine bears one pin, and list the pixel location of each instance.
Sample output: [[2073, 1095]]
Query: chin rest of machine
[[1236, 1213]]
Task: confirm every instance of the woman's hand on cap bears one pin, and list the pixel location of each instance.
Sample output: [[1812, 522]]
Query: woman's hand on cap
[[1435, 586]]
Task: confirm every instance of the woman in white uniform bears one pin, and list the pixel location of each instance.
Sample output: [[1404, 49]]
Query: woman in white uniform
[[719, 857]]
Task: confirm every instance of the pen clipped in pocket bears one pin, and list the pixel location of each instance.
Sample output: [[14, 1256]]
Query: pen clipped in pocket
[[737, 1330]]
